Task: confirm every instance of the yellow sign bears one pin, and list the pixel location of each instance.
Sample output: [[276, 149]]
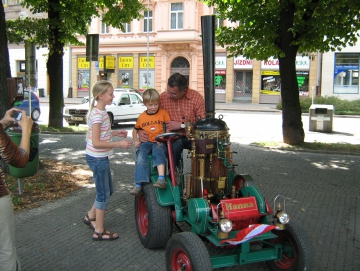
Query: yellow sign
[[126, 62], [270, 73], [143, 62], [270, 92], [83, 64], [110, 62], [101, 63]]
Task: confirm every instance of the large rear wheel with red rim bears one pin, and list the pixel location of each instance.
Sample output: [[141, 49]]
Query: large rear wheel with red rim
[[153, 221]]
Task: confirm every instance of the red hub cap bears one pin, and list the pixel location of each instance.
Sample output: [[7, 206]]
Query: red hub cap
[[142, 215], [180, 261]]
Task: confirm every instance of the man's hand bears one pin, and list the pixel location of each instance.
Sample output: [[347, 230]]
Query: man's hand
[[143, 136], [173, 125]]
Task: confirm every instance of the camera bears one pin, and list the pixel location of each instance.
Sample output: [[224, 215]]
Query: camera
[[17, 115]]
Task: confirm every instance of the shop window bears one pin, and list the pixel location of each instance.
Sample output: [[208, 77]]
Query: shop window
[[243, 84], [346, 74], [302, 78], [176, 16]]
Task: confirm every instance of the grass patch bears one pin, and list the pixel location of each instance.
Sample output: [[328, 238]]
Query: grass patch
[[342, 107], [68, 129], [317, 146]]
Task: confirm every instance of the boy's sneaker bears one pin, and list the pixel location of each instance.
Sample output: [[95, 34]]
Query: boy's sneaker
[[160, 184], [136, 191]]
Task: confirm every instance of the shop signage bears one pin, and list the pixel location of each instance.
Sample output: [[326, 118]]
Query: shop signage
[[83, 64], [241, 62], [109, 63], [126, 62], [220, 62], [144, 61], [301, 62]]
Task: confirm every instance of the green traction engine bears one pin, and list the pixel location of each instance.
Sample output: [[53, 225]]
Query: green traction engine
[[225, 220]]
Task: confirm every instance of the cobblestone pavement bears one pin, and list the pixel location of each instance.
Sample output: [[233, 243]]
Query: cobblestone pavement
[[322, 194]]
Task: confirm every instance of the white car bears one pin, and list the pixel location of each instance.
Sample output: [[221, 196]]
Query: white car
[[86, 98], [126, 106]]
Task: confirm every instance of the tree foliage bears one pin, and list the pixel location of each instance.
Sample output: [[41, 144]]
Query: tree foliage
[[66, 19], [282, 29]]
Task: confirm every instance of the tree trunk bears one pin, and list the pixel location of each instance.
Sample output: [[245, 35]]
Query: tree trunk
[[4, 65], [55, 67], [293, 132]]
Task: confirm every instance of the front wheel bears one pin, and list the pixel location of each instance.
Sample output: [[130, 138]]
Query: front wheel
[[186, 251], [297, 250], [153, 221], [35, 114]]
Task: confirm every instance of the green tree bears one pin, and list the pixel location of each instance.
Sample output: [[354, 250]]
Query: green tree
[[283, 29], [66, 20], [4, 65]]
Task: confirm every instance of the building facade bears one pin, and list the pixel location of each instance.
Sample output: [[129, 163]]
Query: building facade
[[167, 40]]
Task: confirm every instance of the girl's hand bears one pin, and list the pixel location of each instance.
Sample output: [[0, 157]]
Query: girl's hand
[[120, 133], [125, 144]]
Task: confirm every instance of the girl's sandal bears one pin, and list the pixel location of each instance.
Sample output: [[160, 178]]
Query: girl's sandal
[[87, 220], [100, 236]]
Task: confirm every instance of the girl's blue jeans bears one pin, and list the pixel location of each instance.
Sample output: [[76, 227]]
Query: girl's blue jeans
[[142, 170], [103, 180]]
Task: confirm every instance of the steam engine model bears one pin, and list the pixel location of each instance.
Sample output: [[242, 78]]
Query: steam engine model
[[230, 222]]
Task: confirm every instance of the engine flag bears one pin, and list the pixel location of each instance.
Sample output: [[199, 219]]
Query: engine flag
[[248, 233]]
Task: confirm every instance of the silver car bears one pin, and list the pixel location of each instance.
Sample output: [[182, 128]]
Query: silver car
[[126, 106]]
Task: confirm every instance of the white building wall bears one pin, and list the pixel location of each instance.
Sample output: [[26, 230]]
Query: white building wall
[[17, 53], [327, 75]]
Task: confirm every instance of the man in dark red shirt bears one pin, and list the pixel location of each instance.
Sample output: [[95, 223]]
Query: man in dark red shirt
[[183, 104]]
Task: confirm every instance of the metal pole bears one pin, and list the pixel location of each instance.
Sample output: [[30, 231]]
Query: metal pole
[[90, 47], [148, 45]]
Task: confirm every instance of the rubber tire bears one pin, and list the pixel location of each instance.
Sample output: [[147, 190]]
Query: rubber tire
[[302, 248], [111, 118], [186, 251], [35, 114], [153, 221]]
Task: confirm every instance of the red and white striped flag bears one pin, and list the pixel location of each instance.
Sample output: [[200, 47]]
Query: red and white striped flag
[[248, 233]]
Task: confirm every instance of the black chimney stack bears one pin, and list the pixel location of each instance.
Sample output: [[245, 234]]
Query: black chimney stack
[[208, 45]]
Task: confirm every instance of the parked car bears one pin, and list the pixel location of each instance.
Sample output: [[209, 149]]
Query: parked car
[[126, 106], [86, 98], [35, 105]]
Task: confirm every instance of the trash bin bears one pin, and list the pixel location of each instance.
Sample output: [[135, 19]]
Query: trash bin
[[14, 131], [70, 93], [321, 118], [41, 92]]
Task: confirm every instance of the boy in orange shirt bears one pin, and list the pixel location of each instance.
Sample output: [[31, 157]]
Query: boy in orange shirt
[[151, 121]]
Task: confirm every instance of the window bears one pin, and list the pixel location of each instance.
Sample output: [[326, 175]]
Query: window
[[346, 74], [104, 27], [127, 28], [124, 99], [147, 20], [135, 99], [176, 16]]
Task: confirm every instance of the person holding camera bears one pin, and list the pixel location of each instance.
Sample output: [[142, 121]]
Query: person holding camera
[[17, 156]]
